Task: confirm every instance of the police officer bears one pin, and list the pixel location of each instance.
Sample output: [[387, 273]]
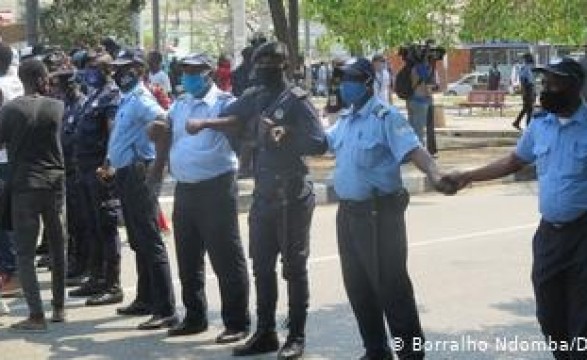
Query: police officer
[[68, 90], [97, 198], [131, 154], [205, 217], [557, 143], [287, 128], [370, 141]]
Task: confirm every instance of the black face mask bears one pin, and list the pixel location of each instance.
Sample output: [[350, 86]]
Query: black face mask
[[555, 101], [126, 80], [269, 75]]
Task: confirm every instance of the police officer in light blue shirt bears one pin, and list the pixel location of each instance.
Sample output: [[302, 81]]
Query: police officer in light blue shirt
[[370, 141], [556, 142], [205, 217], [131, 154]]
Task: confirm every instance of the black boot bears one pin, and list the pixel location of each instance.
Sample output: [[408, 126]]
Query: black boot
[[112, 293], [90, 288], [260, 343], [293, 348]]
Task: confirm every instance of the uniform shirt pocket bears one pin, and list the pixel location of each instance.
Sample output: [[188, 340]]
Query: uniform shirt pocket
[[368, 153], [578, 163], [541, 152]]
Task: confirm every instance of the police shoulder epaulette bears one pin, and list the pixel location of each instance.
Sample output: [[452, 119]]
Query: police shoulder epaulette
[[380, 111], [299, 92], [540, 114]]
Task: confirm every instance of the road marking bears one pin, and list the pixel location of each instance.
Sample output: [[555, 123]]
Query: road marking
[[328, 258]]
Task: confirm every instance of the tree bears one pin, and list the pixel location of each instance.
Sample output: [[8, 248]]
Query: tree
[[554, 21], [74, 22], [286, 27]]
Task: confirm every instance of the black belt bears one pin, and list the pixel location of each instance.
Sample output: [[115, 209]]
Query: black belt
[[391, 198], [568, 224]]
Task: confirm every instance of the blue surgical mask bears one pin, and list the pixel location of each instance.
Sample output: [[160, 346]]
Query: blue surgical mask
[[94, 78], [195, 84], [352, 92]]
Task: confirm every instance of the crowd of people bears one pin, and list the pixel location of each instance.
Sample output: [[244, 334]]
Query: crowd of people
[[94, 131]]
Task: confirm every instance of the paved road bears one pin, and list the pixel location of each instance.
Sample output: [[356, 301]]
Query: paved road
[[470, 264]]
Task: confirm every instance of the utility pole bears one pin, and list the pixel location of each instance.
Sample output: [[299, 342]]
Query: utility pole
[[156, 27], [239, 27], [32, 22]]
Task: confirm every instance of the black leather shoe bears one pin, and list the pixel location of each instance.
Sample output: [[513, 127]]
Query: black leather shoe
[[134, 309], [292, 349], [260, 343], [107, 297], [159, 322], [231, 335], [77, 280], [89, 288], [187, 328]]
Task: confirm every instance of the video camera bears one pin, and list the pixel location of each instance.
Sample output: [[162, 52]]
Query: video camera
[[417, 53]]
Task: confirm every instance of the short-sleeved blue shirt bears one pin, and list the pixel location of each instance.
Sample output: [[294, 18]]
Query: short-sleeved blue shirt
[[560, 153], [208, 154], [129, 141], [370, 145]]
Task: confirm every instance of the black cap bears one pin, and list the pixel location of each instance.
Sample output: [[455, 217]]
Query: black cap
[[359, 67], [197, 59], [275, 49], [567, 67], [129, 56]]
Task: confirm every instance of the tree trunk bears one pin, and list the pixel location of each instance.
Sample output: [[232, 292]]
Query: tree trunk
[[294, 20], [32, 21], [283, 29]]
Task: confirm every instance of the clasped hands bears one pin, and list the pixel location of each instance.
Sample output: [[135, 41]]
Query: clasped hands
[[449, 184]]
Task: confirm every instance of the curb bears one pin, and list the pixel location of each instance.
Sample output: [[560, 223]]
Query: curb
[[415, 183]]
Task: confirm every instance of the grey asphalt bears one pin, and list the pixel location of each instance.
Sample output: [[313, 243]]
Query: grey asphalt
[[470, 259]]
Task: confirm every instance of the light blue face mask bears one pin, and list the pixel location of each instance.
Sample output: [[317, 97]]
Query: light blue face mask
[[195, 84], [352, 92]]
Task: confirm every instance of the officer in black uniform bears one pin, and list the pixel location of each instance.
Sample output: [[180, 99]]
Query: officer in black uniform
[[286, 127], [103, 286], [67, 89]]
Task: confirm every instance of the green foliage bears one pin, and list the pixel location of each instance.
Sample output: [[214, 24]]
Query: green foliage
[[74, 22], [553, 21], [364, 24]]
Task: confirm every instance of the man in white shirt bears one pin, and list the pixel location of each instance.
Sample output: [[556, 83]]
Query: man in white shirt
[[382, 82], [156, 75]]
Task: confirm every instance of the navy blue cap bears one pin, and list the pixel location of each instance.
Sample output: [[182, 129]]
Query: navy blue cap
[[359, 67], [128, 56], [567, 67], [197, 59]]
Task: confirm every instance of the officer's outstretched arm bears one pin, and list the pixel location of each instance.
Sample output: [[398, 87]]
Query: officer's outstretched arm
[[424, 161], [504, 166]]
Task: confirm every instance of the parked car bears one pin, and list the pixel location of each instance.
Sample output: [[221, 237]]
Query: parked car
[[467, 83]]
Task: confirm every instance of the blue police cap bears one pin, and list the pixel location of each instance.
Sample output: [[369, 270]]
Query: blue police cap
[[197, 59], [567, 67], [129, 56], [359, 67]]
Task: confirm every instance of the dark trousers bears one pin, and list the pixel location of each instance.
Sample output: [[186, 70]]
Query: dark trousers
[[102, 231], [373, 252], [77, 225], [268, 239], [430, 132], [559, 276], [27, 207], [205, 220], [7, 248], [139, 208]]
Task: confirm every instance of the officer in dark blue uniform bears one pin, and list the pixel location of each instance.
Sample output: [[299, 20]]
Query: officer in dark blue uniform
[[99, 202], [286, 127], [68, 89]]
